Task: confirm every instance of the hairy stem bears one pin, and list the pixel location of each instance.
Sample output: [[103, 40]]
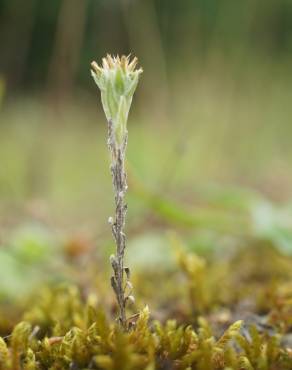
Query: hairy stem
[[118, 223]]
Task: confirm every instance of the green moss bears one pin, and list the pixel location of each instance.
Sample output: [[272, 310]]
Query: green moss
[[198, 329], [100, 345]]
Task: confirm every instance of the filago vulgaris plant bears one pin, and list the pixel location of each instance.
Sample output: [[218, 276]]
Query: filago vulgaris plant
[[117, 79]]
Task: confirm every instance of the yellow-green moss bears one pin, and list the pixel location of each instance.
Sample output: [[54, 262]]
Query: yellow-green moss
[[200, 329]]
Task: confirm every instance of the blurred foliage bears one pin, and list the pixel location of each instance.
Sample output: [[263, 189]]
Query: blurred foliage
[[60, 37]]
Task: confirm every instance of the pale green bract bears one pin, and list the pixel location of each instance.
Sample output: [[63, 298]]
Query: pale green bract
[[117, 80]]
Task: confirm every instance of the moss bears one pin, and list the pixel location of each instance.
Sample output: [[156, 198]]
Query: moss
[[98, 344], [65, 328]]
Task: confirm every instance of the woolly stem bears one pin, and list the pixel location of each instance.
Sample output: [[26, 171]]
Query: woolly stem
[[119, 179]]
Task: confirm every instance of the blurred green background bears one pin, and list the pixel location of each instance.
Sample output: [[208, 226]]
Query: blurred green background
[[209, 132]]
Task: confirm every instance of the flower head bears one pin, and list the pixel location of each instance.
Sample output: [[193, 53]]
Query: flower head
[[117, 79]]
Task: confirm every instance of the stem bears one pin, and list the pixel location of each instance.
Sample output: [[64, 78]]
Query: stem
[[119, 179]]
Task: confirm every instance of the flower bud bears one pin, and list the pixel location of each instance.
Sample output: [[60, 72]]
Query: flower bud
[[117, 80]]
